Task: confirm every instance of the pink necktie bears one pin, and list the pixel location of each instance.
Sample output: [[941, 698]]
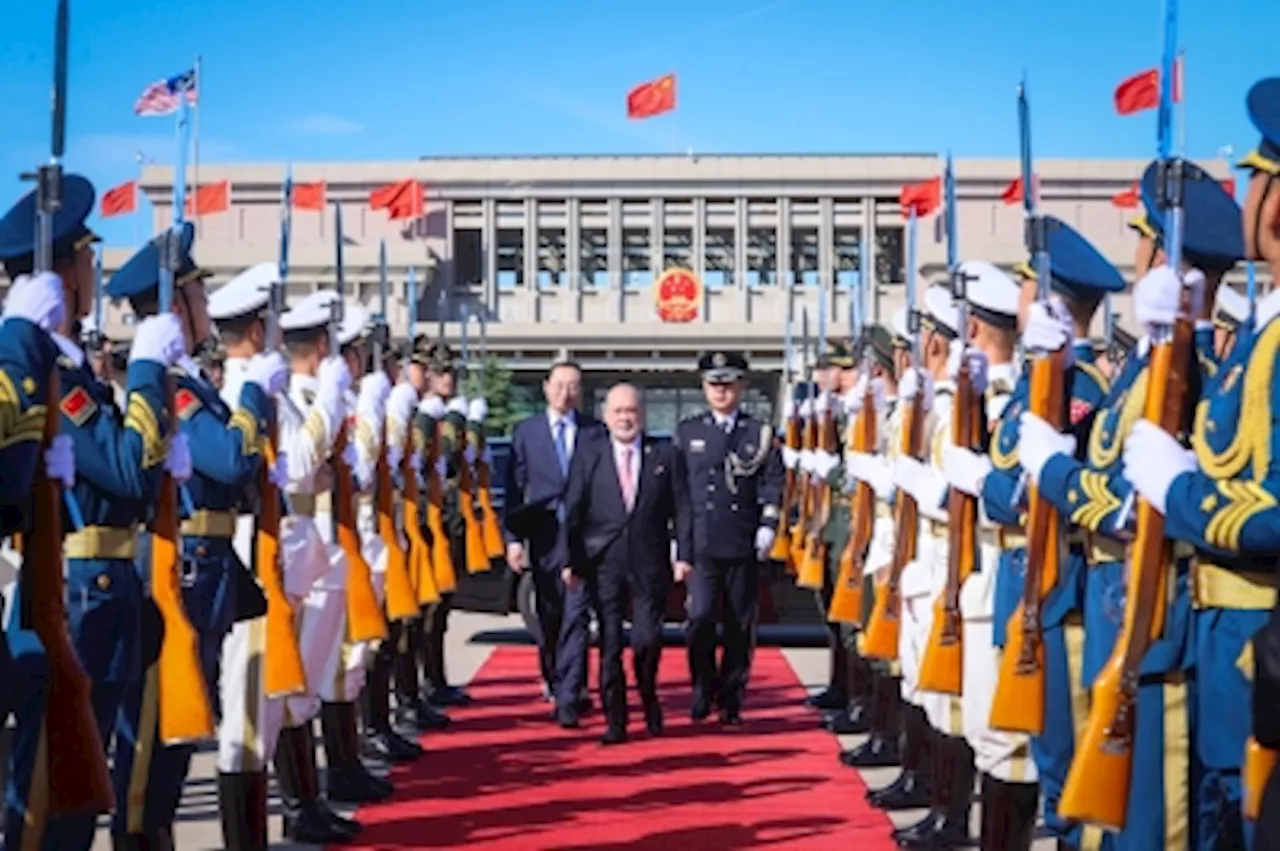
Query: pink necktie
[[625, 478]]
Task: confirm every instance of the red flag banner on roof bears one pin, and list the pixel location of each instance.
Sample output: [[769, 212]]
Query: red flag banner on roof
[[1127, 199], [210, 198], [120, 200], [922, 198], [1142, 91], [1012, 193], [401, 200], [652, 98], [309, 196]]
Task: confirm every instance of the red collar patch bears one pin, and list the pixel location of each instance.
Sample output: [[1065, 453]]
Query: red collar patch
[[78, 406]]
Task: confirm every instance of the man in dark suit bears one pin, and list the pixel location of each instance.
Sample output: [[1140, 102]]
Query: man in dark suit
[[542, 449], [626, 502], [735, 480]]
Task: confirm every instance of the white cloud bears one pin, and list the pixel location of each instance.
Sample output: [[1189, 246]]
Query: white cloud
[[324, 125]]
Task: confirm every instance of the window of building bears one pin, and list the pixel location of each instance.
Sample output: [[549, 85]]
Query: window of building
[[889, 256], [468, 258], [677, 248], [593, 258], [762, 257], [848, 257], [804, 257], [552, 260], [510, 259], [677, 207], [804, 206], [637, 260], [719, 261]]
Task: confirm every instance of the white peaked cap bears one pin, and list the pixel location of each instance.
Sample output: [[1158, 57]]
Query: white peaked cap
[[899, 325], [940, 309], [1230, 305], [991, 292], [354, 320], [246, 293], [313, 311]]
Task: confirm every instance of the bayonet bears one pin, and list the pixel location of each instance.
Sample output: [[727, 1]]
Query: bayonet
[[276, 297], [411, 302], [381, 329], [96, 340], [336, 306]]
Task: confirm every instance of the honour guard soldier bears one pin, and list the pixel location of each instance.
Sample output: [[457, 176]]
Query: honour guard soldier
[[1222, 500], [735, 484], [118, 463], [250, 720], [1080, 278], [217, 589]]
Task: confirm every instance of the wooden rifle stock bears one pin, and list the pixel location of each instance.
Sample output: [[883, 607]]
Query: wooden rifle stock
[[494, 546], [1259, 763], [942, 666], [804, 496], [78, 780], [813, 567], [782, 541], [402, 600], [185, 709], [1097, 786], [846, 595], [880, 640], [365, 621], [285, 674], [477, 552], [1018, 704], [421, 570], [442, 566]]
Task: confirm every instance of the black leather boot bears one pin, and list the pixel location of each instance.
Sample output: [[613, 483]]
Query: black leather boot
[[381, 741], [349, 782], [855, 717], [836, 694], [242, 803], [947, 823], [439, 692], [1008, 815], [134, 842], [881, 750], [307, 819], [911, 788], [413, 711]]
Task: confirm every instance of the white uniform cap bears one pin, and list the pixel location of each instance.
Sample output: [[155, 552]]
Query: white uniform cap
[[991, 293], [312, 312], [246, 293], [354, 320], [1230, 307], [940, 311], [899, 324]]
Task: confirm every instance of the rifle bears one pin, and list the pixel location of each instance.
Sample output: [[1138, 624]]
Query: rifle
[[285, 674], [1018, 705], [884, 625], [477, 554], [942, 665], [443, 570], [846, 595], [1259, 762], [95, 341], [365, 621], [78, 780], [402, 602], [421, 567], [494, 546], [791, 427], [813, 564], [1097, 786]]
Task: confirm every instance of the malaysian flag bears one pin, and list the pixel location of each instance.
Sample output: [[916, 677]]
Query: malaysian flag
[[161, 97]]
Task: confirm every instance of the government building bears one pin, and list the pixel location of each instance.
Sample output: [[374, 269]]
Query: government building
[[533, 259]]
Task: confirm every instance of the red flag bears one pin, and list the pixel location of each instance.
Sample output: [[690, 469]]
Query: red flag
[[1012, 193], [1127, 198], [1142, 91], [309, 196], [923, 198], [1230, 186], [120, 200], [652, 98], [209, 199], [401, 200]]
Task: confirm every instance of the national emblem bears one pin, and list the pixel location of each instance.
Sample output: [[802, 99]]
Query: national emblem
[[677, 295]]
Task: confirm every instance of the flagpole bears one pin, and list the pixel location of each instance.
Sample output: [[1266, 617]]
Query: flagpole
[[195, 144], [1180, 93], [137, 212]]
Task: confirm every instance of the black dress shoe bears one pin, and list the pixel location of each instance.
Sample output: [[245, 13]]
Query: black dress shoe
[[389, 746], [828, 699], [731, 717], [427, 718], [875, 752], [910, 791], [653, 720], [614, 736], [448, 696], [701, 709], [853, 721], [566, 717]]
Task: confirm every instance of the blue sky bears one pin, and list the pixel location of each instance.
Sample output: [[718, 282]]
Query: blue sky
[[398, 79]]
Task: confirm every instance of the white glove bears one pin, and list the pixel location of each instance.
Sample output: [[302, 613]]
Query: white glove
[[790, 458], [477, 410], [1049, 328], [278, 473], [268, 371], [912, 385], [375, 390], [415, 462], [764, 542], [976, 360], [158, 339], [364, 475], [823, 463], [1152, 460], [487, 457], [38, 299], [442, 468], [395, 456], [879, 395], [964, 469], [402, 402], [1156, 297], [470, 454], [60, 460], [861, 467], [923, 482], [334, 379], [350, 456], [1038, 442], [178, 462]]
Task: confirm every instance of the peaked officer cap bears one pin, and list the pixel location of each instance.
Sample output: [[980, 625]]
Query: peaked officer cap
[[355, 322], [1230, 308], [245, 294], [140, 276], [992, 295], [880, 341], [838, 355], [440, 358], [70, 233], [1076, 269], [1263, 106], [722, 367], [901, 327], [940, 311], [1212, 237], [315, 311]]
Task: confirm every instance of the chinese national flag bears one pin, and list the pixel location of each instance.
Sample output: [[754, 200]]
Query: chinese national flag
[[209, 199], [921, 198], [1127, 198], [120, 200], [401, 200], [309, 196], [1142, 91], [1230, 186], [652, 98], [1012, 193]]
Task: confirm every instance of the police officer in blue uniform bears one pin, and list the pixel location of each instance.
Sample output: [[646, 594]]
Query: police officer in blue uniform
[[119, 458], [735, 476], [217, 589]]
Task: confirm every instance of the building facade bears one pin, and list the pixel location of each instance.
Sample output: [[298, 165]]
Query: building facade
[[540, 258]]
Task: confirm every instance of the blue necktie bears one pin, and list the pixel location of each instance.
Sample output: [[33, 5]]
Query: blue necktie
[[562, 449]]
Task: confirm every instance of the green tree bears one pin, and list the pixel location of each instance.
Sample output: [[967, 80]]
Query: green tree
[[492, 380]]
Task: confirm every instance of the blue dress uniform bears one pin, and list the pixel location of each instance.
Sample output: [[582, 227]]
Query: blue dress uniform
[[735, 480], [118, 459], [216, 588], [1080, 274]]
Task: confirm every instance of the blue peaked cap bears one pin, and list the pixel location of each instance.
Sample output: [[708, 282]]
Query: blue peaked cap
[[1212, 237], [1263, 106], [1076, 268], [70, 234], [140, 277]]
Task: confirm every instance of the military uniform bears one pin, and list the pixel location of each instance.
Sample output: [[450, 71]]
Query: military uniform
[[216, 587], [735, 483]]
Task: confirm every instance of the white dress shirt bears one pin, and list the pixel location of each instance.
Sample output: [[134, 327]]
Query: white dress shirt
[[620, 460], [570, 420]]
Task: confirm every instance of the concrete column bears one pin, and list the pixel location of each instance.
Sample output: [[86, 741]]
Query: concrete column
[[783, 255], [699, 248], [573, 258], [740, 256], [490, 238], [531, 293], [615, 255], [869, 222]]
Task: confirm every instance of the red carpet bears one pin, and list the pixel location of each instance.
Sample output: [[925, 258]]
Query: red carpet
[[505, 778]]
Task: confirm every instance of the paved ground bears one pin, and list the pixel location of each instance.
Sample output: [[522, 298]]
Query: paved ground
[[198, 830]]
